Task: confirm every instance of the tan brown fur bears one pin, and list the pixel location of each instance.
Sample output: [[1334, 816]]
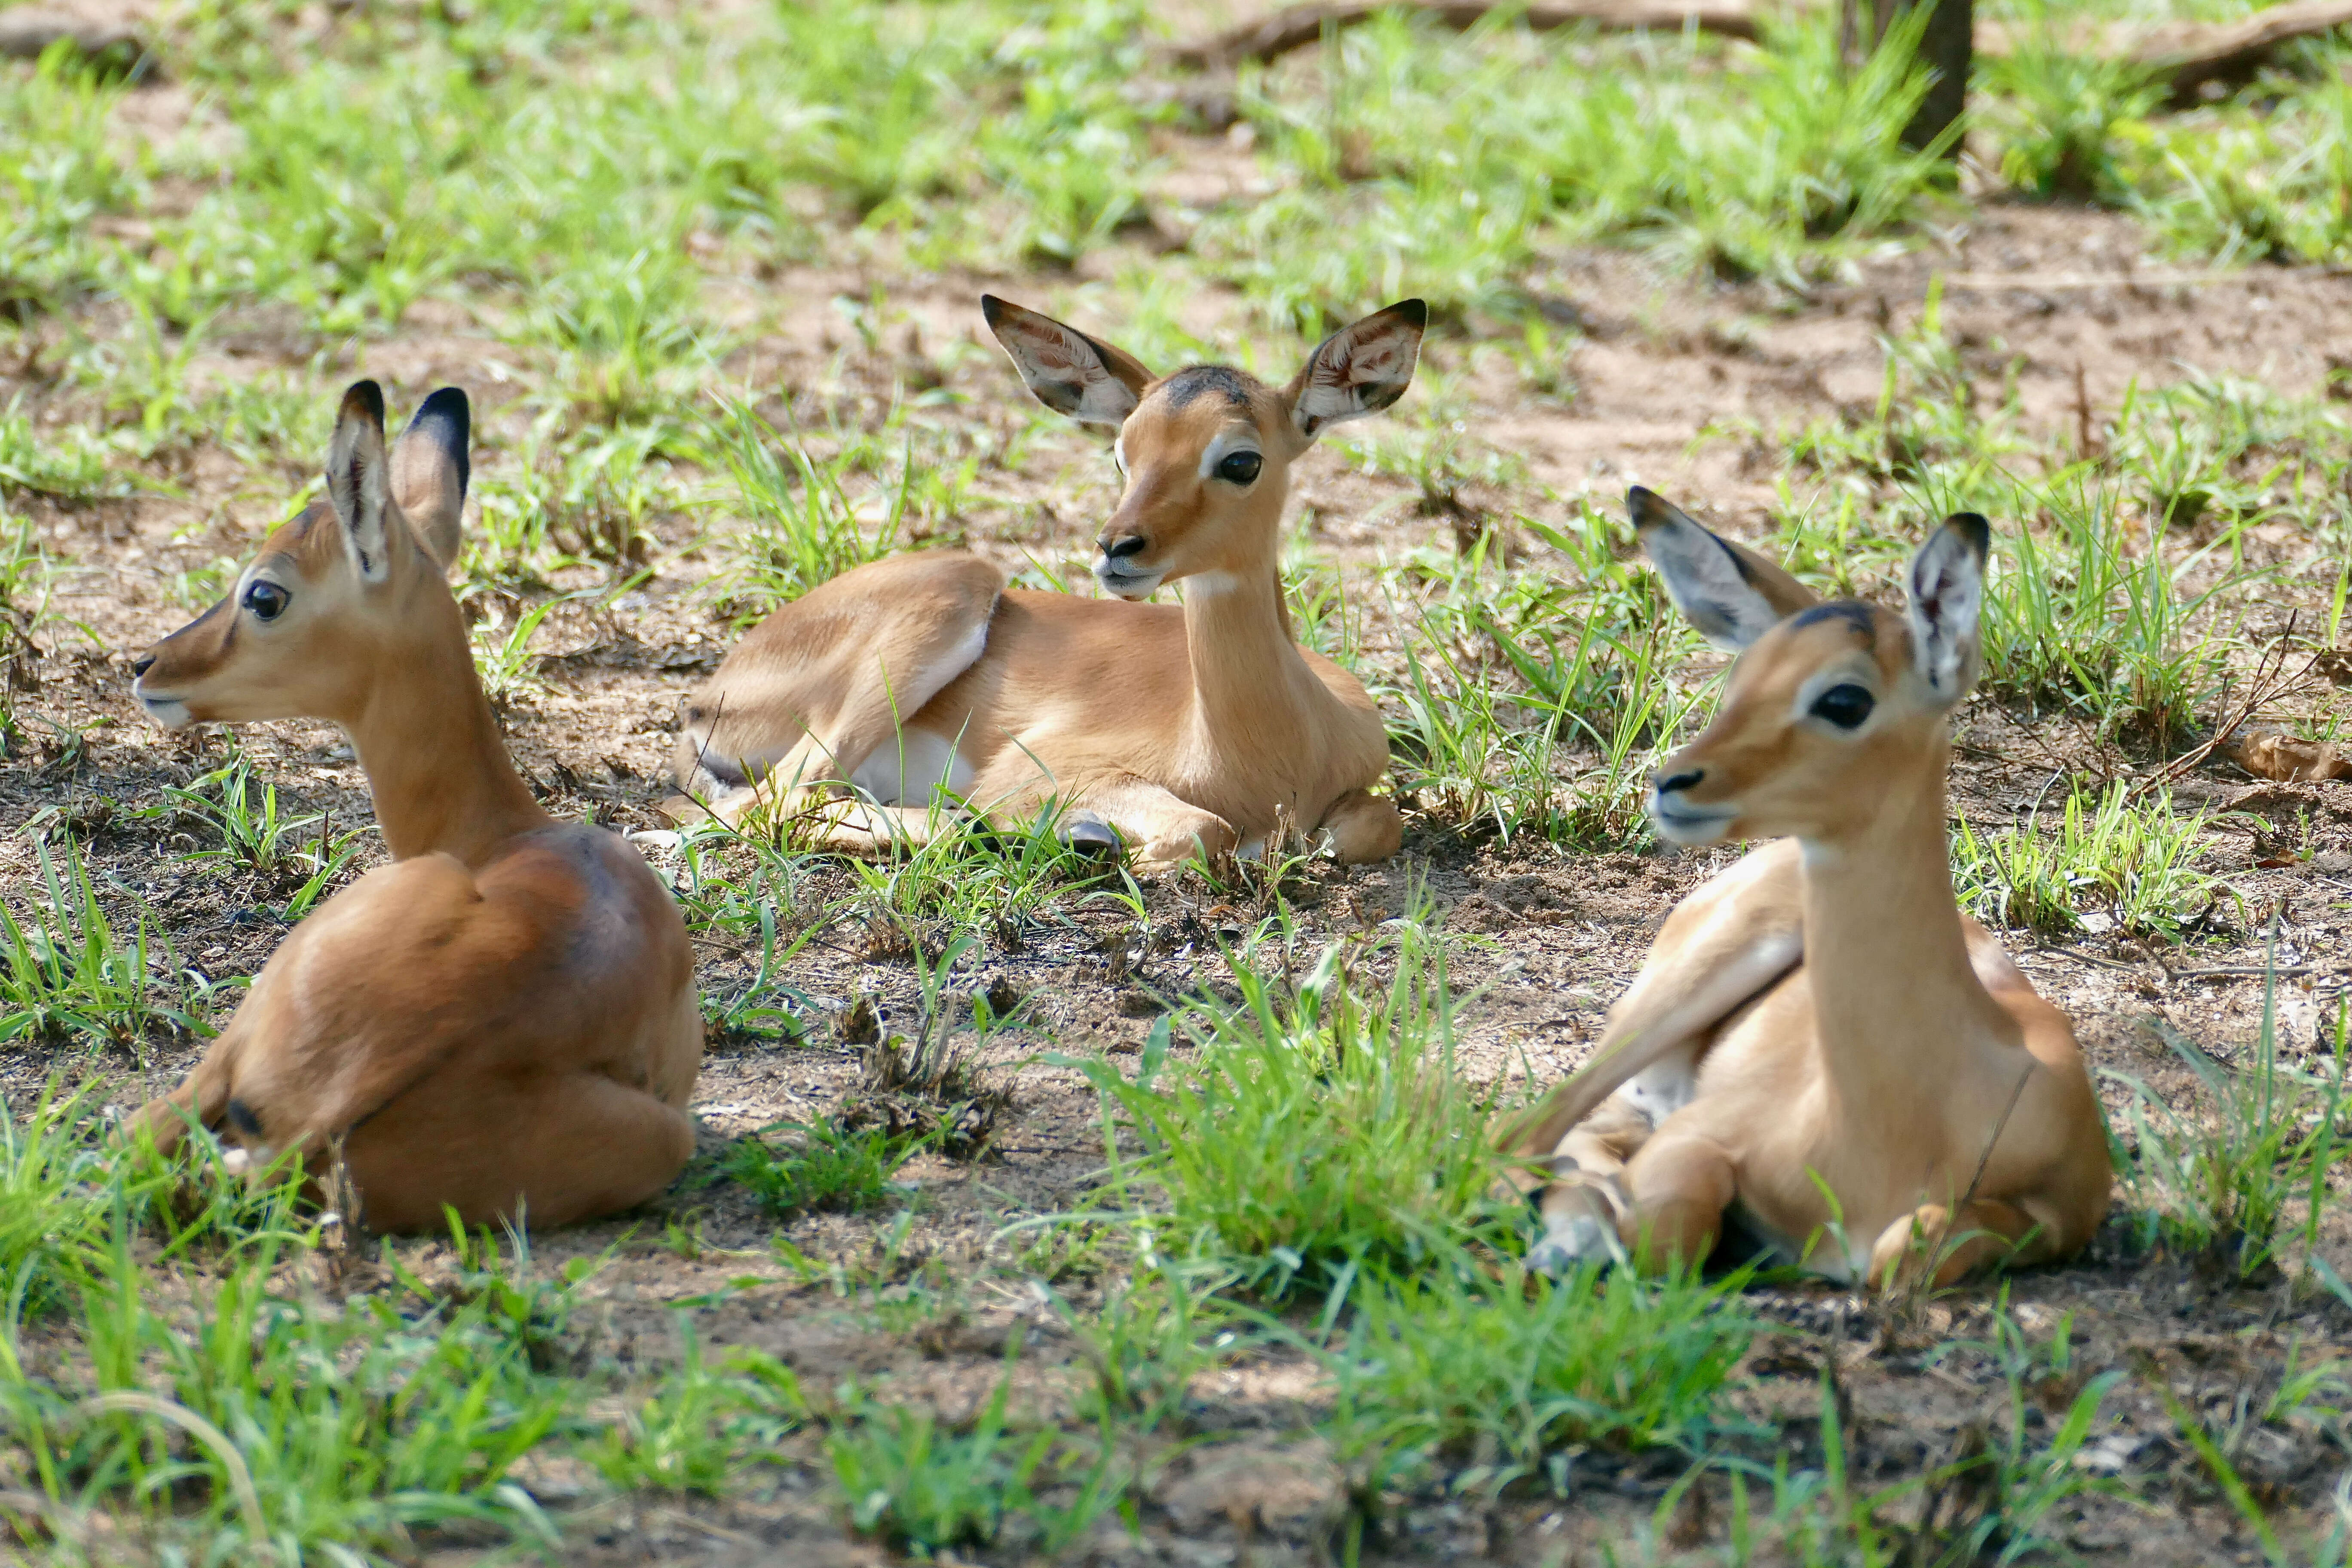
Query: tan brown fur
[[1818, 1036], [1183, 729], [502, 1022]]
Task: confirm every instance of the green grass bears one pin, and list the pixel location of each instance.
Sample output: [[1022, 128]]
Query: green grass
[[1315, 1133], [230, 1412], [67, 972], [503, 656], [1457, 162], [254, 834], [2238, 1178], [826, 1167], [1148, 1336], [914, 1484], [1992, 1496], [2067, 123], [2251, 181], [68, 466], [2086, 620], [221, 1402], [2116, 853], [805, 527], [972, 880], [1543, 690], [410, 158], [54, 1204], [574, 497], [2124, 577], [699, 1426], [1502, 1379]]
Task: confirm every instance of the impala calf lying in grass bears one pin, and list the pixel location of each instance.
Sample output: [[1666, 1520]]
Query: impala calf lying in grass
[[503, 1021], [1818, 1038], [1174, 730]]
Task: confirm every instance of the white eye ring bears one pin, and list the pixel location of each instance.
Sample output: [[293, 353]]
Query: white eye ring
[[1230, 443], [1860, 707], [1253, 461]]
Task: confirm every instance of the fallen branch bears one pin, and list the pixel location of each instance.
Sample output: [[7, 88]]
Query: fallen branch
[[2057, 282], [2185, 56], [2188, 57], [2079, 957], [27, 33], [1295, 27]]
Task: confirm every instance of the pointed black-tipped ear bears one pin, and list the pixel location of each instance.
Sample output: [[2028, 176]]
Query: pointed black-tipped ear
[[1070, 372], [356, 484], [1360, 369], [430, 468], [1946, 604], [1732, 594]]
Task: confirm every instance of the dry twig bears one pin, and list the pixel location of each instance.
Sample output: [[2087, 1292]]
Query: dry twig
[[2261, 690]]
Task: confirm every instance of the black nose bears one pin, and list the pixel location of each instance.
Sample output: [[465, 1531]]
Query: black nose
[[1120, 548], [140, 667], [1666, 783]]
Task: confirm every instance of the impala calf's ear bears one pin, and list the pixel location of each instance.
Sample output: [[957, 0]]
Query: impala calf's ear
[[430, 468], [1732, 594], [1946, 598], [1070, 372], [1360, 369], [356, 480]]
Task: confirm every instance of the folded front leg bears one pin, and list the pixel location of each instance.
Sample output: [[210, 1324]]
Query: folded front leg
[[1585, 1199], [1361, 827], [1942, 1245], [1161, 829], [202, 1100], [1677, 1187]]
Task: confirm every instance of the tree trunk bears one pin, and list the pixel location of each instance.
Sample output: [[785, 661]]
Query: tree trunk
[[1945, 47]]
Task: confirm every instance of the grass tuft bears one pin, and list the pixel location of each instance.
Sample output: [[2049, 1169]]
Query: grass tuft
[[826, 1168], [1316, 1132], [1502, 1378], [2218, 1179]]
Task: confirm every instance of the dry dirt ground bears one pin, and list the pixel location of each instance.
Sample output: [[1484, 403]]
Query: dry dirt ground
[[1548, 937]]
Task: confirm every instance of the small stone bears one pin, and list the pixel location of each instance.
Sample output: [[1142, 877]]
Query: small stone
[[1290, 1493]]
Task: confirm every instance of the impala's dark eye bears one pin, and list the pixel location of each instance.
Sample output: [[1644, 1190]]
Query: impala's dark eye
[[268, 601], [1844, 706], [1240, 467]]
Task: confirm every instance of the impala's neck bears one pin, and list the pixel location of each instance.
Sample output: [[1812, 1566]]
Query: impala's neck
[[1250, 689], [436, 765], [1892, 986]]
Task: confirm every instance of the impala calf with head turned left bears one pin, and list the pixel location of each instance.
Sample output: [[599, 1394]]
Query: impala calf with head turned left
[[1819, 1040], [502, 1023]]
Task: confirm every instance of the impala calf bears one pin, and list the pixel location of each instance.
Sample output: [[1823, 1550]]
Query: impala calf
[[1818, 1038], [503, 1021], [1174, 730]]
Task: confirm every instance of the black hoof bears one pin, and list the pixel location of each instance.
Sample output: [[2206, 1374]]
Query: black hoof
[[1091, 838], [981, 834]]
